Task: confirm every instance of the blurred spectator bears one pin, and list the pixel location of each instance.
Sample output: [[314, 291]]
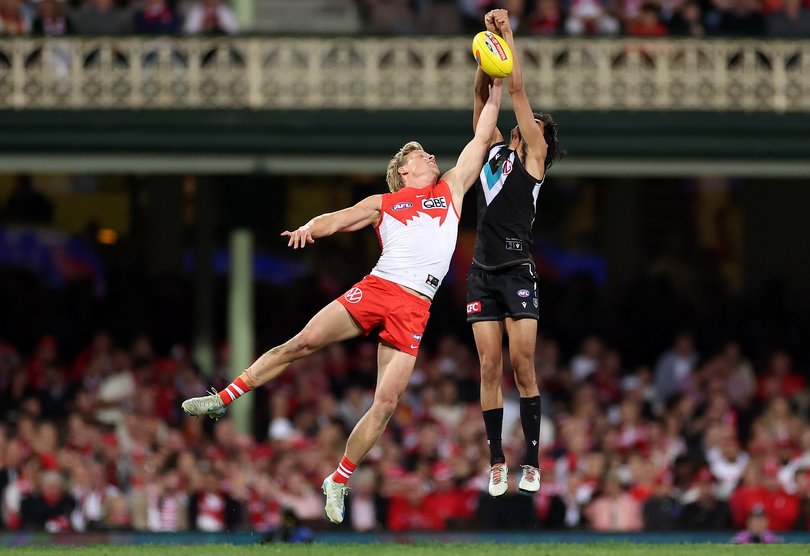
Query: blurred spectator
[[102, 17], [49, 508], [210, 17], [742, 383], [744, 18], [791, 18], [116, 392], [756, 529], [585, 363], [704, 512], [674, 368], [565, 509], [12, 20], [780, 379], [590, 17], [51, 19], [157, 17], [210, 508], [688, 20], [615, 510], [647, 23], [662, 511], [545, 18], [440, 17]]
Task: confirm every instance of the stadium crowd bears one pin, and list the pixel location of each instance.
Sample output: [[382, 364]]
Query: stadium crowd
[[696, 441], [647, 18]]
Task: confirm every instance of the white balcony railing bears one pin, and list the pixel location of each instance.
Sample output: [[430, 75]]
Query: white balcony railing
[[399, 73]]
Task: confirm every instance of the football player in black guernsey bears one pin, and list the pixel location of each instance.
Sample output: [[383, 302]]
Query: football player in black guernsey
[[502, 282]]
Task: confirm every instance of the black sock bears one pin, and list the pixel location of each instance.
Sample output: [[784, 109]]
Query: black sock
[[493, 421], [530, 419]]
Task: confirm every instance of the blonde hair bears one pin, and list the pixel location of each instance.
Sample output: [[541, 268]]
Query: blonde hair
[[392, 175]]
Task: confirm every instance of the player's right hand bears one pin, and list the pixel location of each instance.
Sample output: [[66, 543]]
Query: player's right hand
[[299, 237], [500, 20], [489, 21]]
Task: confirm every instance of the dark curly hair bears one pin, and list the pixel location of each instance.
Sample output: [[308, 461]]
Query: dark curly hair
[[554, 152]]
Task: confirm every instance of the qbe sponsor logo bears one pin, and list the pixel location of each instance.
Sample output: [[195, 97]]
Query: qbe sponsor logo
[[434, 203], [474, 307], [523, 293], [354, 295]]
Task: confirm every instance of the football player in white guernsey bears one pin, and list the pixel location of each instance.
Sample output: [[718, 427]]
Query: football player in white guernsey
[[502, 284], [395, 297]]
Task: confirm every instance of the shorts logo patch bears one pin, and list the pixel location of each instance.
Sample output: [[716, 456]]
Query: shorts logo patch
[[354, 295], [402, 206], [524, 304], [474, 307], [523, 293], [535, 302]]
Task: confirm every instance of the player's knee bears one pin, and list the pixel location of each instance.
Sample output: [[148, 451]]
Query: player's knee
[[304, 343], [491, 369], [525, 377], [384, 406], [490, 381]]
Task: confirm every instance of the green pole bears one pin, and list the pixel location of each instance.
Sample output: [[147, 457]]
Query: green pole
[[240, 319], [245, 14]]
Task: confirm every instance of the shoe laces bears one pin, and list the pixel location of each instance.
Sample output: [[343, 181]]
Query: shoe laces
[[497, 473], [212, 391], [529, 472], [338, 488]]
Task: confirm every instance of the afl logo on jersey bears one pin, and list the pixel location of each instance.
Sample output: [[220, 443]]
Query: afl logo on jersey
[[523, 293], [402, 206], [354, 295], [435, 203], [507, 167]]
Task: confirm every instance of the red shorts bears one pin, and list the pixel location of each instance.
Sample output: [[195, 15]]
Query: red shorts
[[402, 316]]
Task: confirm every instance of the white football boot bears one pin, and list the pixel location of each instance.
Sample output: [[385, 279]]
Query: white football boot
[[335, 492], [210, 405], [529, 480], [498, 483]]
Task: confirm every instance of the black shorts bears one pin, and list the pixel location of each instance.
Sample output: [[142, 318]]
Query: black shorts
[[498, 294]]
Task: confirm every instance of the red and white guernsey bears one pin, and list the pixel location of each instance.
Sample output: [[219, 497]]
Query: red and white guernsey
[[417, 232]]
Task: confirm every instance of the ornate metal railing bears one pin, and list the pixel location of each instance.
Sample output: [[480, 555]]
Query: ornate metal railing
[[398, 73]]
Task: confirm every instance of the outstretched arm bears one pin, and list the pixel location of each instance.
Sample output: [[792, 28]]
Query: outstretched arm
[[483, 82], [481, 92], [469, 163], [535, 142], [363, 214]]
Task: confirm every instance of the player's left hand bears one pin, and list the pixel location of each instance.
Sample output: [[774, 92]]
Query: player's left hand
[[299, 237]]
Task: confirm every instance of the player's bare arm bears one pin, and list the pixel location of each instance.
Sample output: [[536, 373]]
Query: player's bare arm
[[483, 82], [365, 213], [532, 133], [462, 177]]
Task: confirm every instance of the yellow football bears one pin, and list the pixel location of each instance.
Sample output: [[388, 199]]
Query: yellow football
[[492, 54]]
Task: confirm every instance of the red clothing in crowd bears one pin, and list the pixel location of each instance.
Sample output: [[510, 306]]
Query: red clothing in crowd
[[781, 508], [423, 516]]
